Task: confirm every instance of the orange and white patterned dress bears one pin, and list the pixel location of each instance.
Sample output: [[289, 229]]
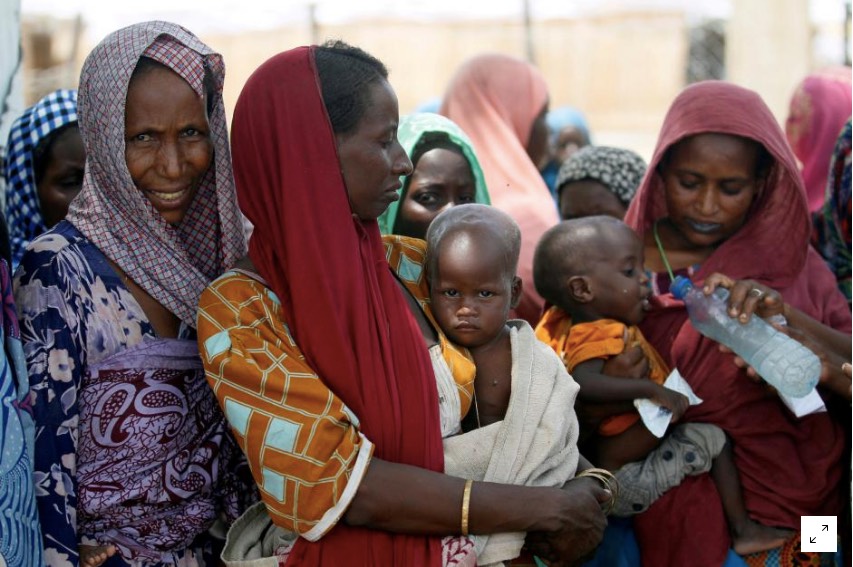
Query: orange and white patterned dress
[[303, 444]]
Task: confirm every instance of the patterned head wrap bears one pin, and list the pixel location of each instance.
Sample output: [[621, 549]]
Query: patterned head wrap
[[23, 210], [618, 169], [172, 263]]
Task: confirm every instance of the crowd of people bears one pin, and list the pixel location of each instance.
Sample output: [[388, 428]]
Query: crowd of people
[[340, 336]]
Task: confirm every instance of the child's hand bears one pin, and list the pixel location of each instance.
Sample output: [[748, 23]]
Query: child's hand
[[674, 401], [94, 555], [630, 363]]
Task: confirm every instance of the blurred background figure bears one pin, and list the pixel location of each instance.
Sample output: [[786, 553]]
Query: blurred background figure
[[501, 103], [598, 180], [429, 105], [43, 168], [819, 108], [567, 133], [832, 230]]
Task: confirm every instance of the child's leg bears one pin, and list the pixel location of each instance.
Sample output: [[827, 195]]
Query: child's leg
[[747, 536]]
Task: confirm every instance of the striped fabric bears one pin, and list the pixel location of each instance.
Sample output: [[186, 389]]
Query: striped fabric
[[23, 211]]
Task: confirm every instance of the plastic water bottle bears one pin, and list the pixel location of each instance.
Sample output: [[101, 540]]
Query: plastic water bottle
[[784, 363]]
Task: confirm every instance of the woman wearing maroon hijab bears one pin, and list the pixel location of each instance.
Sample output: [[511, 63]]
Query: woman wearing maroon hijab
[[723, 194], [318, 355]]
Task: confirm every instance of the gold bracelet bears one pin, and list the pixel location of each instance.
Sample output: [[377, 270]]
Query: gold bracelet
[[466, 503], [607, 480]]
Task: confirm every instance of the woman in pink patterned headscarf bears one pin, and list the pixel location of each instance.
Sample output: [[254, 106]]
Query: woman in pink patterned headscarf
[[819, 108], [501, 103], [134, 463]]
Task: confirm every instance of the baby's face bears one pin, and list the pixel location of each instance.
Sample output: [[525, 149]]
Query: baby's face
[[618, 280], [471, 291]]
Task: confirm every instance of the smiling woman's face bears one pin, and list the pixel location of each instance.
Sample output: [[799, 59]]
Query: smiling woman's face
[[710, 181], [167, 142], [372, 159]]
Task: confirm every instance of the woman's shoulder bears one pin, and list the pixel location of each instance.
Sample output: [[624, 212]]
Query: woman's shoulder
[[406, 257], [61, 245], [237, 295], [237, 285], [61, 237]]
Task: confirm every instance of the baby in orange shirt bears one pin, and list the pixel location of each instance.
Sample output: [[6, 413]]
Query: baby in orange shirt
[[591, 271]]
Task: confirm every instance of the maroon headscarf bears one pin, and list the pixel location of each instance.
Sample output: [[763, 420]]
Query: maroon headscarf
[[340, 300], [789, 467]]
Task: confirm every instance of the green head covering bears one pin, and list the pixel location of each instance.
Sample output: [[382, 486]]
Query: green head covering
[[412, 129]]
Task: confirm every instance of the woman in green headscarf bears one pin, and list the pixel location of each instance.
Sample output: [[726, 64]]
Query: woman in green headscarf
[[446, 173]]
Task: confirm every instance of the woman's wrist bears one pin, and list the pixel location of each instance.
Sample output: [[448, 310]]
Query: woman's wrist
[[608, 482], [786, 310], [466, 506]]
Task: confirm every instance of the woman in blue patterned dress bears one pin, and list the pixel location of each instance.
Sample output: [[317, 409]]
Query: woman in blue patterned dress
[[134, 463]]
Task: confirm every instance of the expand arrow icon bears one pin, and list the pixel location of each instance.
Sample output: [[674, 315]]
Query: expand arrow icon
[[811, 540]]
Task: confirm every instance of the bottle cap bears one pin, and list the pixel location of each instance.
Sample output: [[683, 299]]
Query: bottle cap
[[680, 286]]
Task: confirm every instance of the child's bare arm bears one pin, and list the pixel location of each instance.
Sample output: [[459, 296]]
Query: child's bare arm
[[601, 388]]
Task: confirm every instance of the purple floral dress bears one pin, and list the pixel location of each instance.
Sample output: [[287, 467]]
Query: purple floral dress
[[131, 447]]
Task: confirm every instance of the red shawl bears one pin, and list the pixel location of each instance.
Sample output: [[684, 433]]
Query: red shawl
[[340, 300], [788, 467]]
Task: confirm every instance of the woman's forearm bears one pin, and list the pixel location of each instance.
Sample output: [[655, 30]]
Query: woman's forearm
[[406, 499], [831, 339]]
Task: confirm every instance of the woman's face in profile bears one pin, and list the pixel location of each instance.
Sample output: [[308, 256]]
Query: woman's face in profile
[[710, 182], [537, 142], [372, 159], [63, 175], [167, 143], [442, 179]]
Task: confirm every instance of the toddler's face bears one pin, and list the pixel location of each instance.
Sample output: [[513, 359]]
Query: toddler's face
[[618, 281], [472, 291]]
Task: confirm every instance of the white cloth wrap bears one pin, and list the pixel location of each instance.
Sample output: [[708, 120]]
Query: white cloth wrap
[[534, 445]]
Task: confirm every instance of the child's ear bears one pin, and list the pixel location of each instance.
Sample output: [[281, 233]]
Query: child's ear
[[515, 292], [579, 289]]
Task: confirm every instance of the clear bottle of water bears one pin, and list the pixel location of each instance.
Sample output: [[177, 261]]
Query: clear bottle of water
[[783, 362]]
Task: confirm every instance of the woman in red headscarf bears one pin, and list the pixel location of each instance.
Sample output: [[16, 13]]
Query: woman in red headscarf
[[318, 355], [723, 194]]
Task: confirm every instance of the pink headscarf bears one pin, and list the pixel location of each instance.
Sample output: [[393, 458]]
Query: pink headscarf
[[495, 99], [172, 264], [819, 108]]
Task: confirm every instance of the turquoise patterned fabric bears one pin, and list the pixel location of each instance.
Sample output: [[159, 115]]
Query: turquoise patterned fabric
[[20, 534]]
